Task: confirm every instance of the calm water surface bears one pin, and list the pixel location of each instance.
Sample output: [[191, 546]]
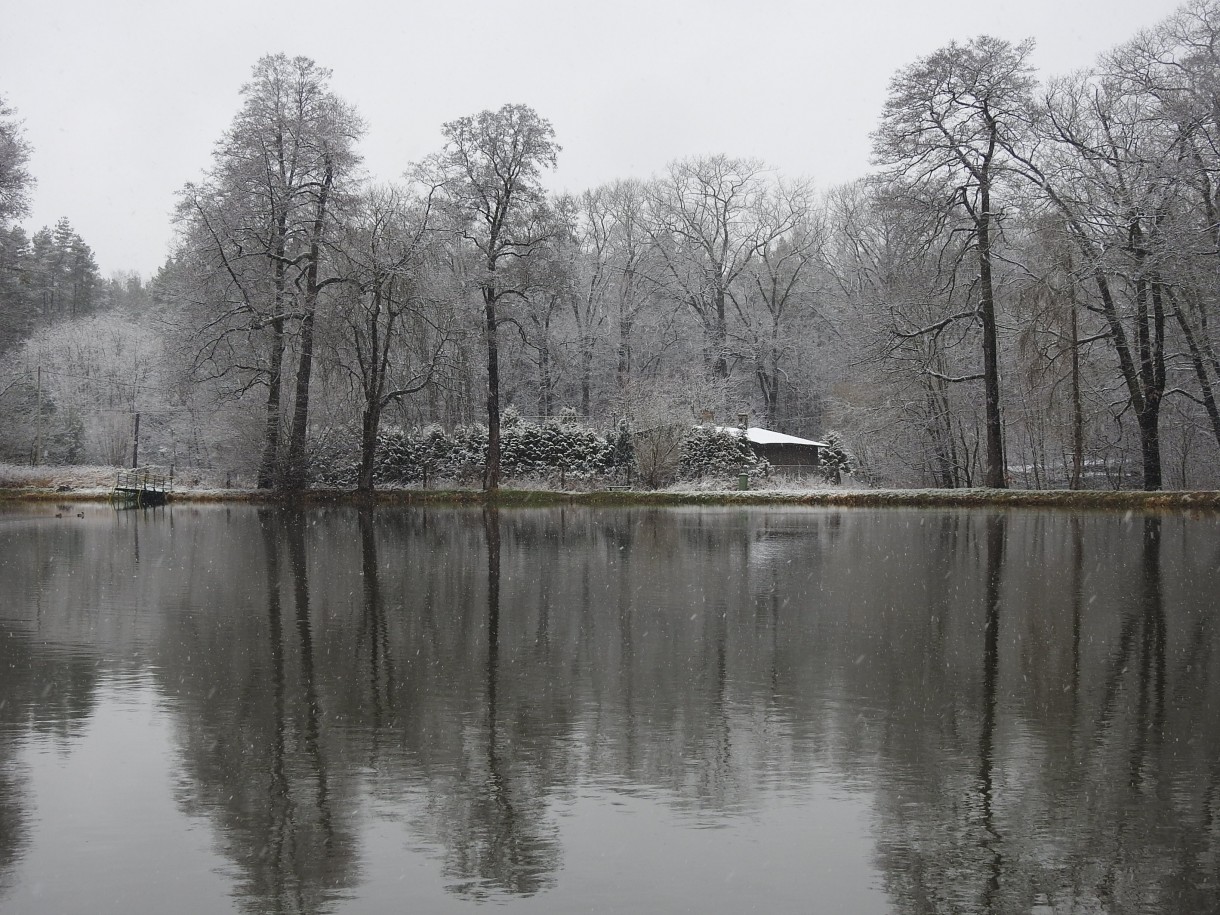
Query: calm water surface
[[563, 710]]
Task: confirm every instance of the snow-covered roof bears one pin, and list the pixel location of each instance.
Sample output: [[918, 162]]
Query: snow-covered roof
[[757, 436]]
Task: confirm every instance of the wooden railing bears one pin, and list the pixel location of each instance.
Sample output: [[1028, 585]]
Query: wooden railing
[[144, 479], [142, 487]]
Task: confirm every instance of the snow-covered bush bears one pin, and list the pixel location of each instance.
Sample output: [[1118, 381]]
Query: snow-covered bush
[[333, 460], [467, 455], [712, 452], [559, 449], [564, 445]]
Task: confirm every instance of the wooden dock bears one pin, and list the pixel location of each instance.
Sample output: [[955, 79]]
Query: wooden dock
[[143, 487]]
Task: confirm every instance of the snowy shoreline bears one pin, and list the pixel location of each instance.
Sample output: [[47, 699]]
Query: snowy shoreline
[[78, 484]]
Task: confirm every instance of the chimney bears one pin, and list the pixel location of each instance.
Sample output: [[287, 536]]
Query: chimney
[[743, 420]]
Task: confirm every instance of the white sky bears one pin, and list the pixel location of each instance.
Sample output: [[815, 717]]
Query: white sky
[[123, 99]]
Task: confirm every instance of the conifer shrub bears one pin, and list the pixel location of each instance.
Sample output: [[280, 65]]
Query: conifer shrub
[[836, 459], [709, 452], [333, 460], [554, 451], [558, 451]]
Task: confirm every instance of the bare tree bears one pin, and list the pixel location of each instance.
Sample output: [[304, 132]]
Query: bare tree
[[489, 174], [950, 124], [620, 272], [1175, 69], [661, 412], [1103, 172], [15, 179], [774, 292], [896, 262], [1054, 355], [708, 223], [255, 233], [591, 267], [393, 332]]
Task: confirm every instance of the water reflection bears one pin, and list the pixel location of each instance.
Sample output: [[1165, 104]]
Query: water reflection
[[256, 758], [504, 842], [1022, 703], [941, 852], [373, 635]]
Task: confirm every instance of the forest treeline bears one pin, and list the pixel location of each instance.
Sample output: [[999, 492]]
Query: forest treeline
[[1021, 292]]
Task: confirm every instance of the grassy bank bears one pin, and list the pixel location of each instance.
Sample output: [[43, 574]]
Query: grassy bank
[[877, 498], [81, 484]]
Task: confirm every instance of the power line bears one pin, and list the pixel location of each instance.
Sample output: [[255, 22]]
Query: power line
[[28, 373], [127, 411]]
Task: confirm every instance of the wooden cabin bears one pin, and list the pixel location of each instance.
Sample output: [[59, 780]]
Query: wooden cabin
[[785, 453]]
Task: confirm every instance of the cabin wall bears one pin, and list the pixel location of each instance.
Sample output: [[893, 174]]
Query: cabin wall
[[789, 455]]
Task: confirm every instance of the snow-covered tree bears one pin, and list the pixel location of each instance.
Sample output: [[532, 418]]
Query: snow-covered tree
[[718, 453], [836, 459]]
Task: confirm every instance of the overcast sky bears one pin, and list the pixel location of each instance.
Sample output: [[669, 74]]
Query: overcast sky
[[123, 99]]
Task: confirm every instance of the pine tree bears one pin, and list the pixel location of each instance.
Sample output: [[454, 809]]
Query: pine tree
[[836, 459]]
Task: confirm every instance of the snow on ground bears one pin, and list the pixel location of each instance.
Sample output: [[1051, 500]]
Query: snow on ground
[[84, 480]]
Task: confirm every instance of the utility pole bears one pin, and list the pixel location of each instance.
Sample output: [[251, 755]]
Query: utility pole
[[135, 432], [38, 437]]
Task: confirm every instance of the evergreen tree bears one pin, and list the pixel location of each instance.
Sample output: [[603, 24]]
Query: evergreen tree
[[712, 452], [836, 459], [45, 279]]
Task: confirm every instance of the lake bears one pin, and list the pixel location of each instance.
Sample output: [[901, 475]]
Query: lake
[[712, 710]]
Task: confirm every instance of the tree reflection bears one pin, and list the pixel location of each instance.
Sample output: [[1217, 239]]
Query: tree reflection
[[991, 839], [942, 844], [505, 843], [47, 689], [256, 753], [1122, 823], [295, 529], [1031, 719], [1147, 843], [373, 635]]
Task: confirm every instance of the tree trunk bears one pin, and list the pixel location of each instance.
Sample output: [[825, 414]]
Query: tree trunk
[[720, 339], [300, 411], [624, 350], [1077, 406], [586, 374], [940, 429], [295, 471], [1150, 340], [1200, 367], [1149, 434], [491, 470], [994, 473], [1150, 442], [768, 383], [545, 384], [268, 468], [370, 420]]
